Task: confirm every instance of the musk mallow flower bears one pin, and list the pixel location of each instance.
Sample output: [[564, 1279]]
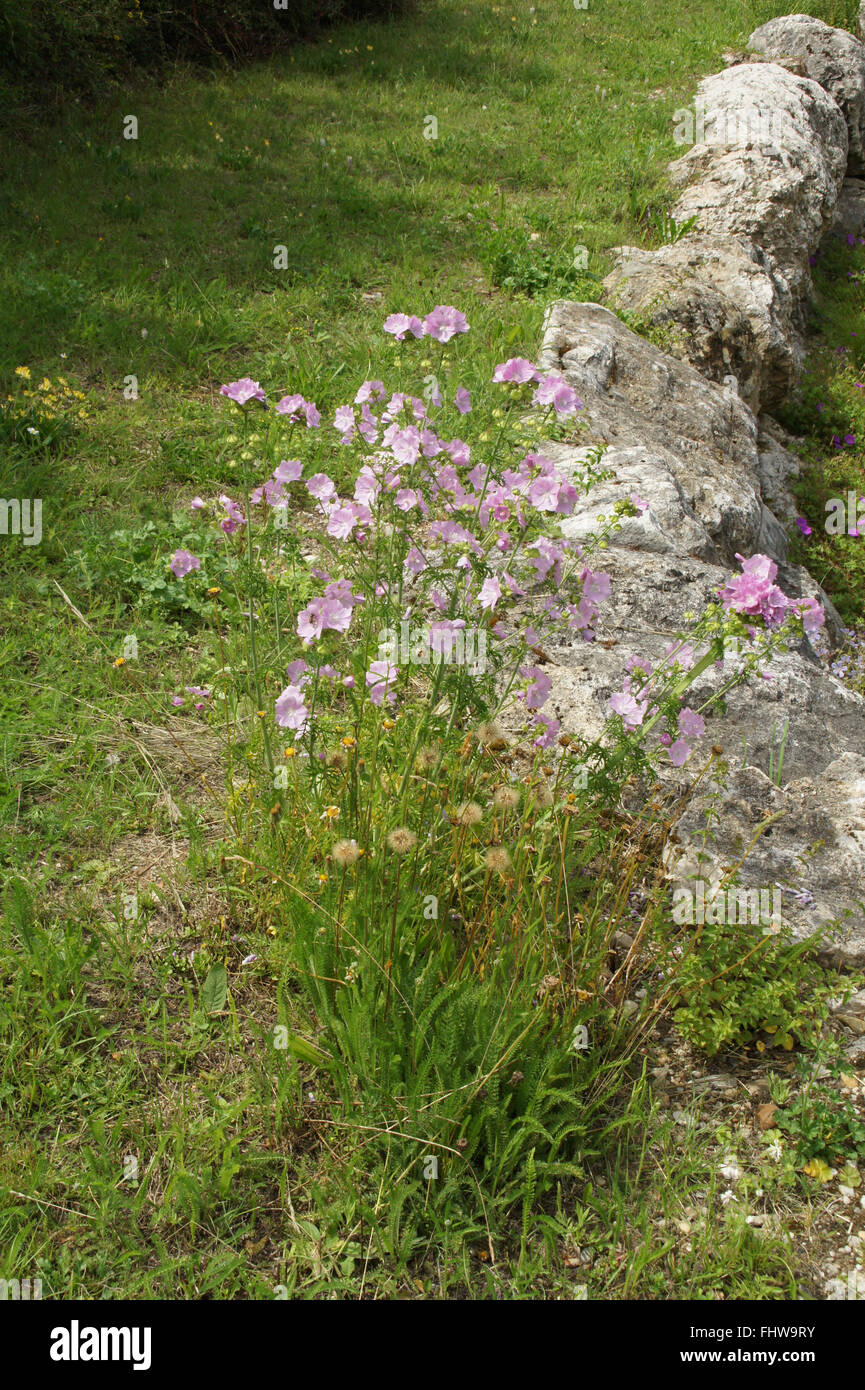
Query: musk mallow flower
[[234, 516], [553, 390], [690, 723], [344, 422], [296, 672], [380, 676], [632, 711], [400, 324], [182, 561], [293, 406], [288, 471], [517, 369], [538, 691], [445, 322], [243, 390], [291, 711], [370, 391], [679, 752], [463, 401], [321, 487], [491, 592]]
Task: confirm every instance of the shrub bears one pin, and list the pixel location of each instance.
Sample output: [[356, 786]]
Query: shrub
[[88, 46]]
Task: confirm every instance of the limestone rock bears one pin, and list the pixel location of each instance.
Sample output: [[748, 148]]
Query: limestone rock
[[695, 453], [768, 166], [721, 308], [850, 210], [831, 57], [697, 438], [814, 852]]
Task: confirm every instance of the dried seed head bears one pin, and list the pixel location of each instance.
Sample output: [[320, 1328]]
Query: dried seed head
[[498, 860], [426, 760], [469, 813], [506, 798], [336, 760], [401, 840], [542, 797], [490, 735], [346, 853]]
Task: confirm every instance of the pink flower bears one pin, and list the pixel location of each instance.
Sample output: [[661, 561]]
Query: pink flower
[[596, 586], [491, 592], [235, 517], [459, 451], [295, 672], [400, 324], [551, 729], [379, 677], [343, 421], [555, 391], [292, 407], [679, 752], [445, 322], [463, 401], [538, 691], [543, 493], [321, 487], [291, 712], [182, 562], [516, 369], [812, 614], [414, 561], [288, 471], [196, 505], [638, 502], [632, 712], [404, 444], [243, 390], [691, 724], [370, 391]]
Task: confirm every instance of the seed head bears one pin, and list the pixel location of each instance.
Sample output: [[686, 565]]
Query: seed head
[[490, 735], [402, 840], [498, 860], [469, 813], [506, 798], [346, 853]]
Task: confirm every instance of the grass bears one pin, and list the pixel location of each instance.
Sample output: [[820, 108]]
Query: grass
[[153, 259]]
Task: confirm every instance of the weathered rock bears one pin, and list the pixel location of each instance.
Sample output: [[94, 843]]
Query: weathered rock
[[776, 467], [831, 57], [769, 166], [697, 439], [850, 210], [720, 308], [814, 852], [693, 452]]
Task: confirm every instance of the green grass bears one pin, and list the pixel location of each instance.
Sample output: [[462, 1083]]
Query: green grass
[[154, 258]]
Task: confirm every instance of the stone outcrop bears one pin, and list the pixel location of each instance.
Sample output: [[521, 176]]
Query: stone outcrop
[[722, 306], [770, 167], [831, 57], [683, 418]]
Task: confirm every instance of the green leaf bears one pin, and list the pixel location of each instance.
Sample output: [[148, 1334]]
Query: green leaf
[[215, 989]]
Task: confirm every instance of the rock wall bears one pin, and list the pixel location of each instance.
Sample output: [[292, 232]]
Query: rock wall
[[775, 168]]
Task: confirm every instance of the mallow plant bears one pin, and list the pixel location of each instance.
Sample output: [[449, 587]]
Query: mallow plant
[[437, 866]]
